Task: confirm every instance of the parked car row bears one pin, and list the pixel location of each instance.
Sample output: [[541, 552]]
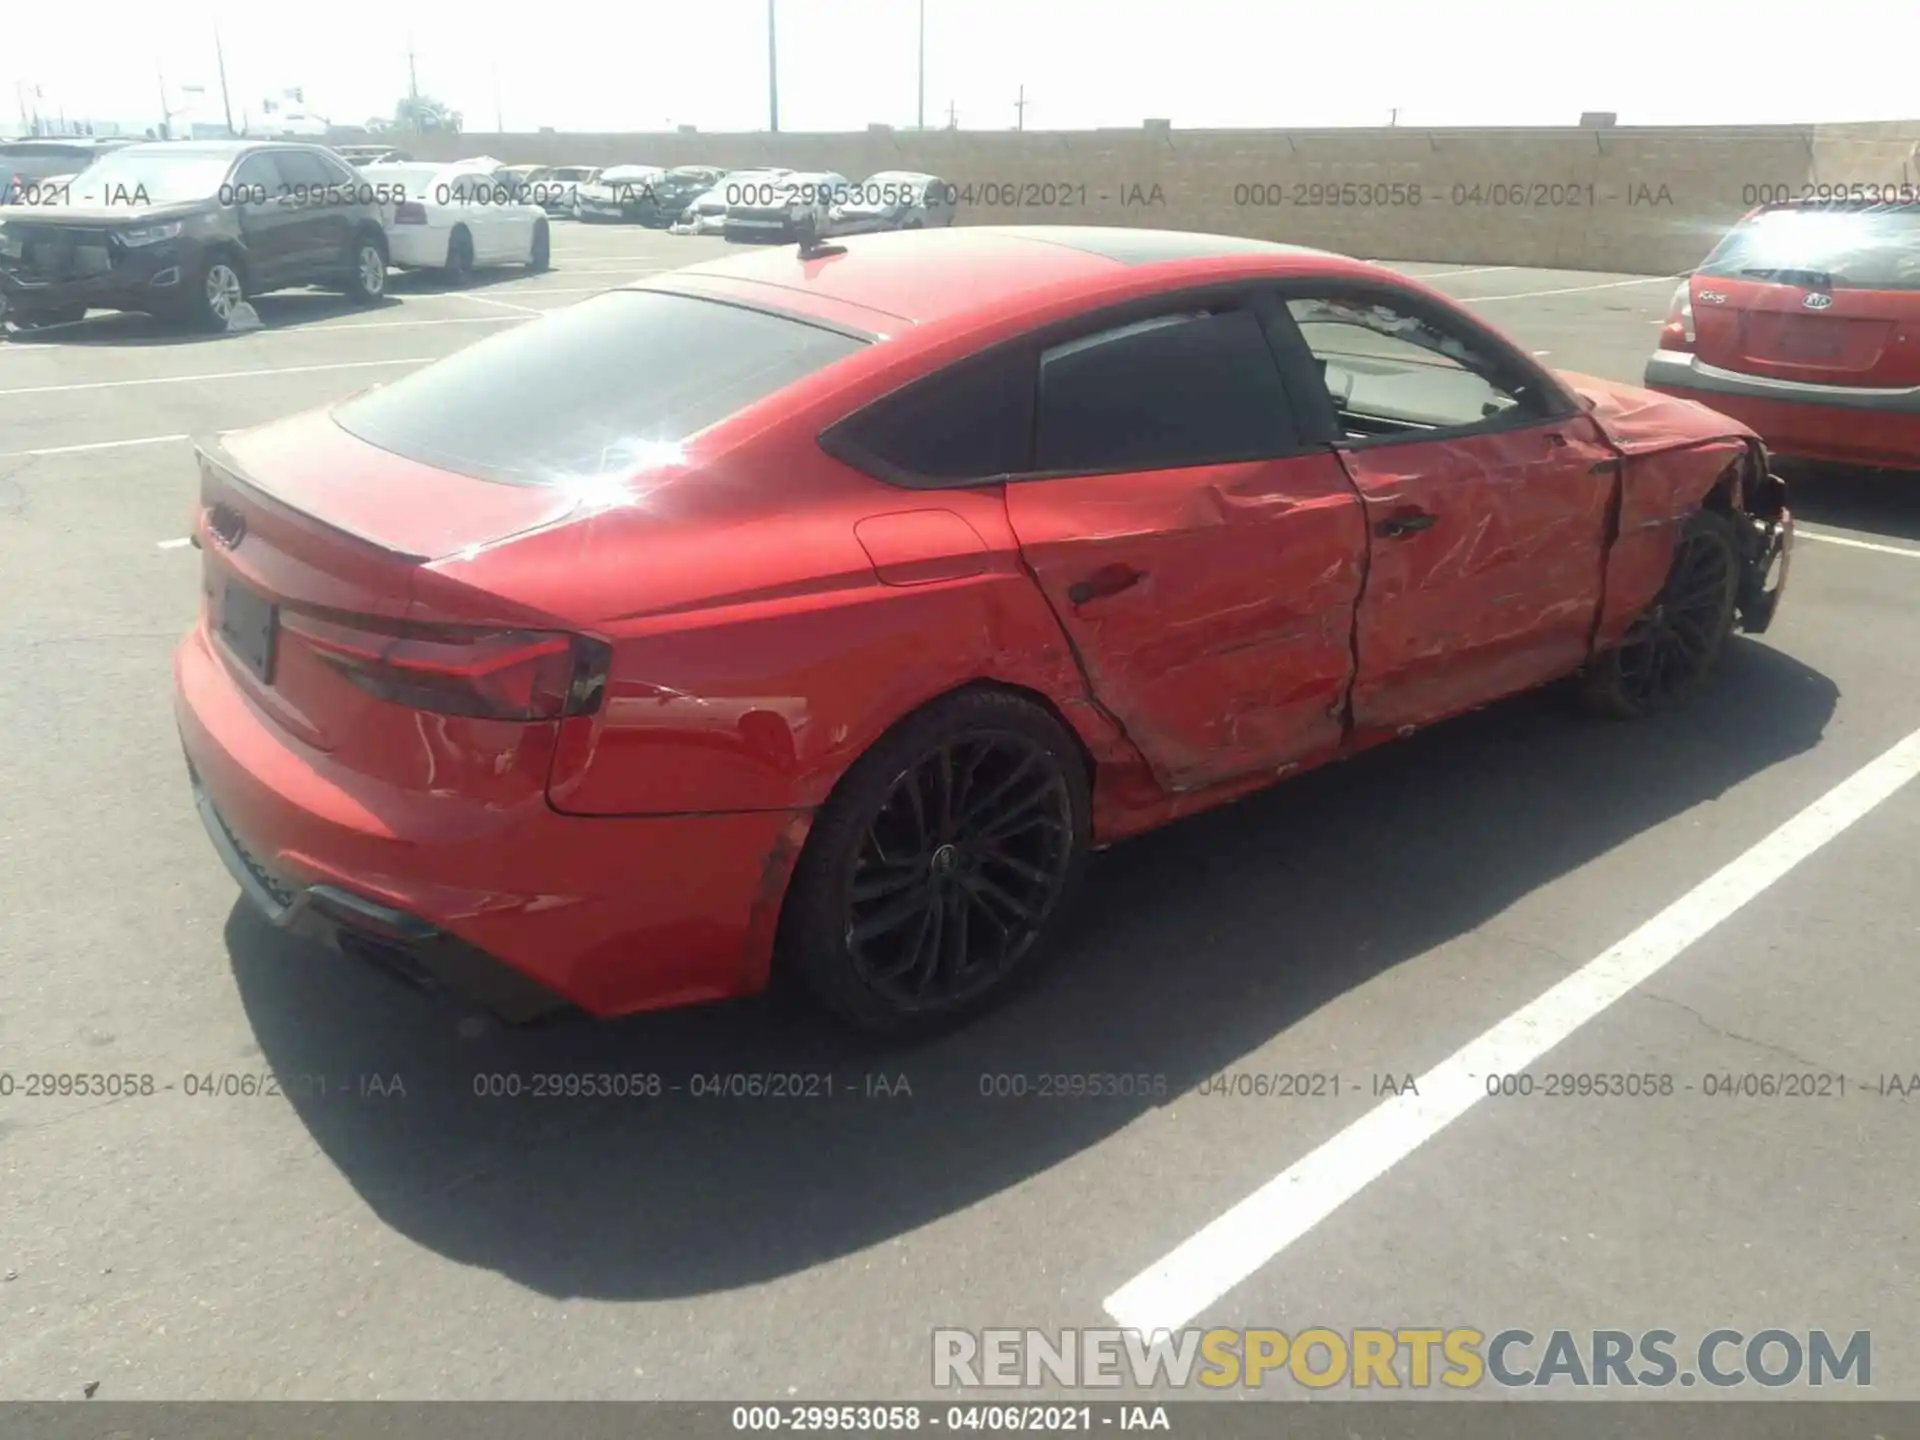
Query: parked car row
[[190, 230], [744, 205]]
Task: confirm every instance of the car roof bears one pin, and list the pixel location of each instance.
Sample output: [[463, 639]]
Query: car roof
[[214, 148], [32, 143], [926, 275]]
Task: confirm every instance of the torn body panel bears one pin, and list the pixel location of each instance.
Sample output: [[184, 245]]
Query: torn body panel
[[1676, 456]]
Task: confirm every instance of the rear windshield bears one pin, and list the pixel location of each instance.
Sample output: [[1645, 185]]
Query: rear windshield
[[417, 179], [37, 163], [1875, 248], [593, 390]]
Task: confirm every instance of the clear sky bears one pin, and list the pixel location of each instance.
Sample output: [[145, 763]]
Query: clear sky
[[642, 64]]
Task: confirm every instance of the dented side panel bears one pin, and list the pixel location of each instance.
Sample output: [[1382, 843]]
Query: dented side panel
[[1659, 489], [1499, 590], [1210, 609]]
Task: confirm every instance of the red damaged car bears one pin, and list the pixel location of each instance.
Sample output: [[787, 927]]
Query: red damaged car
[[1804, 323], [819, 610]]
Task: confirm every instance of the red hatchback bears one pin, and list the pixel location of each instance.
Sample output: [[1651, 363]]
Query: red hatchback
[[821, 610], [1804, 323]]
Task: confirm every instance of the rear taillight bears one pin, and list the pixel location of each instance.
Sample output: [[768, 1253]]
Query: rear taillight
[[409, 212], [1677, 333], [485, 674]]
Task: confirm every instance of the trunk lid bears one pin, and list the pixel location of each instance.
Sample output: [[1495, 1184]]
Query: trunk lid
[[300, 522]]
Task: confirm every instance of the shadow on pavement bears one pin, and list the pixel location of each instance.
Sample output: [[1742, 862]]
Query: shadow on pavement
[[1194, 946], [279, 310]]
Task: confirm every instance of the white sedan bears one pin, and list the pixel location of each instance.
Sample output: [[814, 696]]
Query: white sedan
[[457, 219]]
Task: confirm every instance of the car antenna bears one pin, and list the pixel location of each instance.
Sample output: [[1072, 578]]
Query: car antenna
[[812, 247]]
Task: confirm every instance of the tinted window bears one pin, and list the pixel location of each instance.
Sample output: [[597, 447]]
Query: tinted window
[[592, 390], [963, 424], [298, 167], [1875, 248], [1386, 368], [38, 164], [257, 175], [1189, 389]]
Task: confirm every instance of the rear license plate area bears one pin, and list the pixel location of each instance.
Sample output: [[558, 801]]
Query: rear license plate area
[[1803, 338], [249, 626]]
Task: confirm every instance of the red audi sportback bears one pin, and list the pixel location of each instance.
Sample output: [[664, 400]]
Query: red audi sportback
[[819, 610]]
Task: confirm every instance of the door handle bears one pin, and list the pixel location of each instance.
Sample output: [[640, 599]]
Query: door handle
[[1399, 525], [1555, 438], [1110, 580]]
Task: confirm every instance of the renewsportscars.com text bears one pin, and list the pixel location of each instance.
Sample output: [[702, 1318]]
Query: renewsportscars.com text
[[1415, 1358]]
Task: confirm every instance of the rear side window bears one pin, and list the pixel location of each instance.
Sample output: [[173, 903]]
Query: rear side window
[[1196, 388], [27, 163], [1871, 247], [969, 422], [303, 169], [595, 389]]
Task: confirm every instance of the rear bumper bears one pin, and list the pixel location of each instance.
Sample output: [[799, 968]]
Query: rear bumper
[[520, 909], [1834, 423], [417, 247]]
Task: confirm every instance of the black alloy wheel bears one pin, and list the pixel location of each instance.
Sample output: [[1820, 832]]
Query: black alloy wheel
[[1672, 648], [937, 870]]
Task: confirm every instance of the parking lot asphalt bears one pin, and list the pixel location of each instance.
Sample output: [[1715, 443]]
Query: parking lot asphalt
[[378, 1230]]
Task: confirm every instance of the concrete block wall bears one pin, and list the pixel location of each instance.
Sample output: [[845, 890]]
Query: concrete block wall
[[1639, 200]]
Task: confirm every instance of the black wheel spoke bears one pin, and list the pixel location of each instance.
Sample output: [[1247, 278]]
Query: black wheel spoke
[[985, 889], [960, 866], [1029, 812], [901, 912], [991, 800], [887, 878]]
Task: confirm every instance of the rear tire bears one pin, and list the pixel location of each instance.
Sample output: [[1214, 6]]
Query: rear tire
[[920, 902], [1672, 649], [459, 267], [542, 256], [367, 275]]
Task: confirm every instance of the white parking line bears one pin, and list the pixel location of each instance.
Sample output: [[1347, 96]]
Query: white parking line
[[504, 305], [1169, 1294], [1804, 534], [530, 290], [173, 544], [96, 445], [223, 375], [1449, 274], [1571, 289]]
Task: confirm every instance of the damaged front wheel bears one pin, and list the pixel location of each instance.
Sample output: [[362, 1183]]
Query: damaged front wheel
[[1671, 649]]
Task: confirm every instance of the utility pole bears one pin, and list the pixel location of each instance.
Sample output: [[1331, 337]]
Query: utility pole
[[1020, 110], [166, 114], [499, 122], [920, 122], [220, 56], [953, 117], [20, 94], [1394, 118], [773, 74], [413, 90]]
